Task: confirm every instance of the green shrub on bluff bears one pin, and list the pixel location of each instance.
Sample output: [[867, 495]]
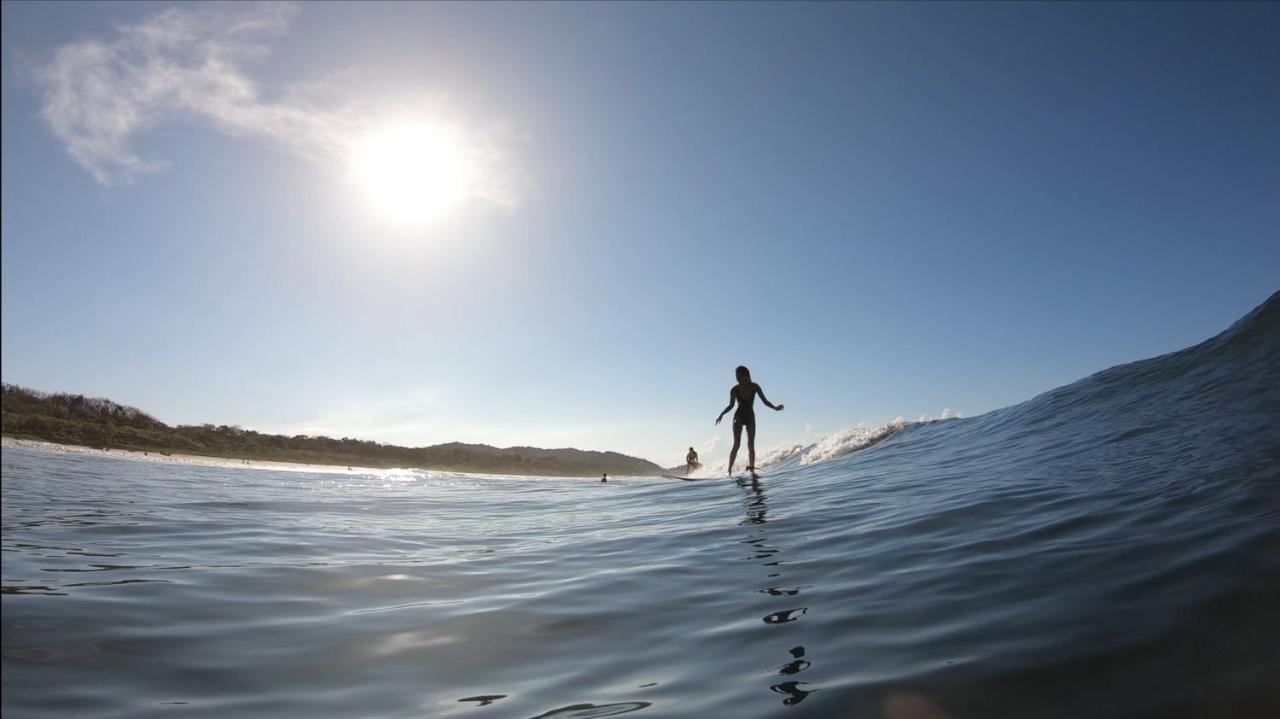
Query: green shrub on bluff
[[96, 422]]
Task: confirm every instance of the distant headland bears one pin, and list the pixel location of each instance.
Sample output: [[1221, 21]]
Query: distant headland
[[101, 423]]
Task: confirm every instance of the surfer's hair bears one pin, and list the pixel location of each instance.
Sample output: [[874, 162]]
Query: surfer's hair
[[742, 372]]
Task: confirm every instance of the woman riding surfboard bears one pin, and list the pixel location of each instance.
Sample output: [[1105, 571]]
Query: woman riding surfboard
[[744, 395]]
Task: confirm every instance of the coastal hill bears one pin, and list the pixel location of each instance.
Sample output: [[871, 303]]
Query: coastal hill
[[96, 422]]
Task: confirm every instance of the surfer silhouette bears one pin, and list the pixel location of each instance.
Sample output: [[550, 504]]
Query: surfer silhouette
[[744, 395], [691, 461]]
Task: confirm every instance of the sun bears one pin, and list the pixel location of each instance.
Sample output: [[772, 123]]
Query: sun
[[412, 174]]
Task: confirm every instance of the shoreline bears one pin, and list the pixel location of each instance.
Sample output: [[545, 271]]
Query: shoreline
[[96, 423], [8, 442], [200, 460]]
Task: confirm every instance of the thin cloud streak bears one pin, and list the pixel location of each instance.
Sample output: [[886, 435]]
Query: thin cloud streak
[[188, 65]]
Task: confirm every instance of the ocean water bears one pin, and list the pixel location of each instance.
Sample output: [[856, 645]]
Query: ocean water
[[1108, 549]]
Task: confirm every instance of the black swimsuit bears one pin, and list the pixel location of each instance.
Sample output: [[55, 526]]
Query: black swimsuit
[[746, 412]]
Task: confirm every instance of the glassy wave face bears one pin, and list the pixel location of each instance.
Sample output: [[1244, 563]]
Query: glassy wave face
[[1108, 549]]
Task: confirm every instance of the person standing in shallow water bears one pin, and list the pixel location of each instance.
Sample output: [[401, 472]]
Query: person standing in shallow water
[[744, 395]]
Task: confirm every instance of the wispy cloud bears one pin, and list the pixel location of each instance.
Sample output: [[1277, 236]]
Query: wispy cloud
[[708, 447], [188, 64]]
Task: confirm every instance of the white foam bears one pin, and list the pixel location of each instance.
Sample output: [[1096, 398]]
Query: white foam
[[832, 446], [838, 444]]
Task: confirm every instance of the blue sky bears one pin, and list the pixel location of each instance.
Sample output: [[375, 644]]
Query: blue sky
[[883, 210]]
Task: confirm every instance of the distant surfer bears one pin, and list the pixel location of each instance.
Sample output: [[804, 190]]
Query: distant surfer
[[744, 395], [691, 461], [604, 477]]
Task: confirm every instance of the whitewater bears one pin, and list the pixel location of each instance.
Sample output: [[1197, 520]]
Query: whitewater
[[1110, 548]]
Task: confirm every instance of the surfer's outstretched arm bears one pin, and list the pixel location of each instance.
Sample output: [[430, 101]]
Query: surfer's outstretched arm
[[732, 398], [767, 403]]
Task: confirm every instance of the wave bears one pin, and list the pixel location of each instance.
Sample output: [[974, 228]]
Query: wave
[[1234, 373], [1108, 549], [829, 447]]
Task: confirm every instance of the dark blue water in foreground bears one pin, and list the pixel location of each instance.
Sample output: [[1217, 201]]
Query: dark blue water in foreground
[[1108, 549]]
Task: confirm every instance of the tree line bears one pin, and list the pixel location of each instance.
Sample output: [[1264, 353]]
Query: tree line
[[102, 423]]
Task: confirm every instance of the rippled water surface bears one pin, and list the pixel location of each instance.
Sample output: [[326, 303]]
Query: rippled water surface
[[1109, 549]]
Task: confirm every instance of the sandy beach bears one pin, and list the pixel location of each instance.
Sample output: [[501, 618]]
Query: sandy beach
[[178, 458]]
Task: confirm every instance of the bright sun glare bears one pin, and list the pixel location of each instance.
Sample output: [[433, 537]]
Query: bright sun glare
[[412, 174]]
